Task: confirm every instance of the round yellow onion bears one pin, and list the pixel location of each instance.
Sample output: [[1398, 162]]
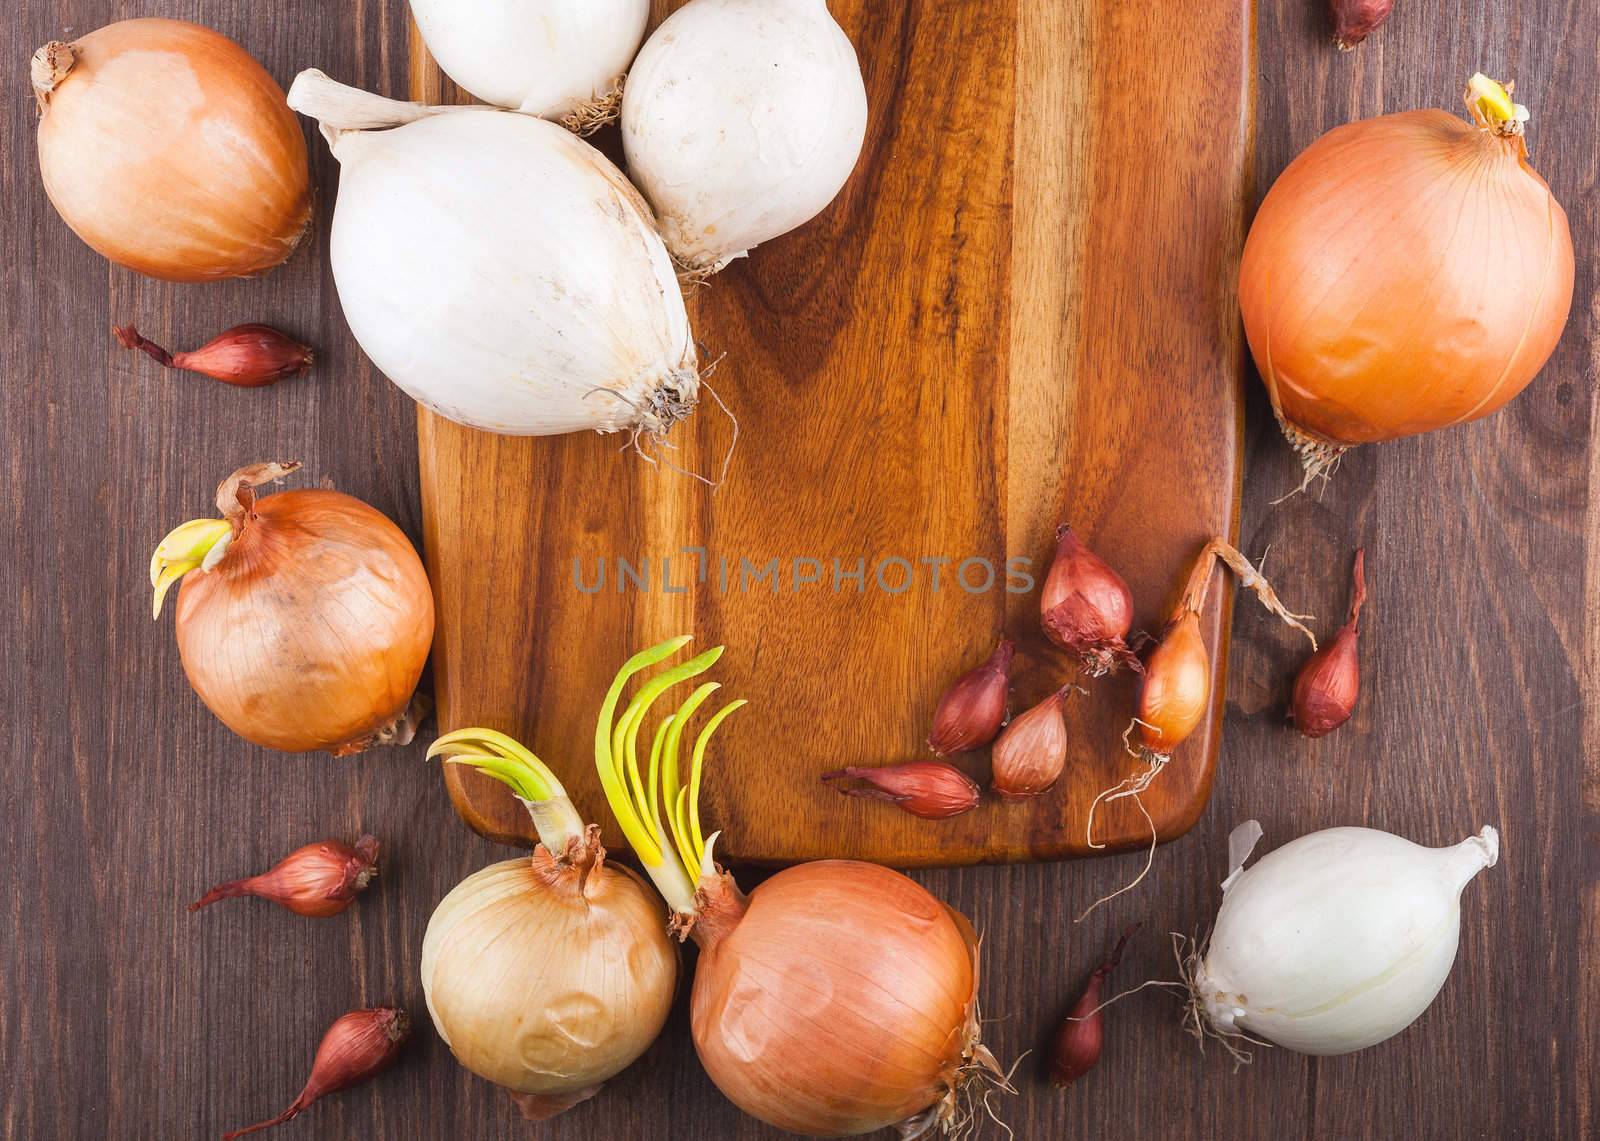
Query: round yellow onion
[[1405, 273], [169, 150], [307, 624], [548, 976], [842, 999]]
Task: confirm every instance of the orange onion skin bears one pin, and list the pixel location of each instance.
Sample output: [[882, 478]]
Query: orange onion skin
[[313, 629], [840, 1002], [1405, 273], [1176, 686], [170, 150]]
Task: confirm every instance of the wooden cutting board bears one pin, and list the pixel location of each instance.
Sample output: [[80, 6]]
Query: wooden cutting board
[[1021, 310]]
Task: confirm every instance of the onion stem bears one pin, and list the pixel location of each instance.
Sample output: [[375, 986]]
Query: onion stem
[[512, 764]]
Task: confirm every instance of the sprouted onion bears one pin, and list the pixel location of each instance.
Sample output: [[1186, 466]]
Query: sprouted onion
[[547, 976], [1405, 273], [169, 150], [838, 997], [1175, 690], [304, 618]]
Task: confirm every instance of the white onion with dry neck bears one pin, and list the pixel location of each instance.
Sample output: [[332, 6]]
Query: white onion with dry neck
[[838, 997], [548, 976], [742, 120], [500, 270], [558, 59], [1333, 942], [169, 150]]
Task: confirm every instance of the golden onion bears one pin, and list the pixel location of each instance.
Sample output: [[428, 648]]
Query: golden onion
[[1405, 273], [169, 150]]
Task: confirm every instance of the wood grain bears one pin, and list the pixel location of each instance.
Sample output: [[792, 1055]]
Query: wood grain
[[999, 325], [122, 1017]]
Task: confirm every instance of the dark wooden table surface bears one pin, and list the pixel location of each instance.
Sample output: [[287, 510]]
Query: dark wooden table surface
[[121, 1016]]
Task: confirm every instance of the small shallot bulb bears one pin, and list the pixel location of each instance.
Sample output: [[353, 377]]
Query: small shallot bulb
[[1086, 607], [1078, 1042], [317, 880], [933, 790], [1327, 686], [356, 1047], [1030, 755], [1176, 686], [1355, 20], [248, 356], [972, 710]]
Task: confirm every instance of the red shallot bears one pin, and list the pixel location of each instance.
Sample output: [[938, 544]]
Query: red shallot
[[933, 790], [356, 1047], [1086, 607], [973, 709], [1078, 1042], [247, 356], [317, 880], [1030, 755], [1327, 686], [1355, 20]]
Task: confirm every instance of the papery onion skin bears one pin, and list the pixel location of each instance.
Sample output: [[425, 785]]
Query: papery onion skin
[[1338, 940], [1405, 273], [742, 120], [169, 150], [548, 978], [842, 1001], [524, 315], [559, 59], [312, 630]]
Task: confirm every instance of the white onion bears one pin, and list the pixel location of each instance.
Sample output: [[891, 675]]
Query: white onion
[[1338, 940], [561, 59], [741, 120], [500, 270]]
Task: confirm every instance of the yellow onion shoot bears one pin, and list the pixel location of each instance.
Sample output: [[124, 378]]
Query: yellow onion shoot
[[838, 997], [304, 618], [1405, 273], [171, 151], [547, 976]]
